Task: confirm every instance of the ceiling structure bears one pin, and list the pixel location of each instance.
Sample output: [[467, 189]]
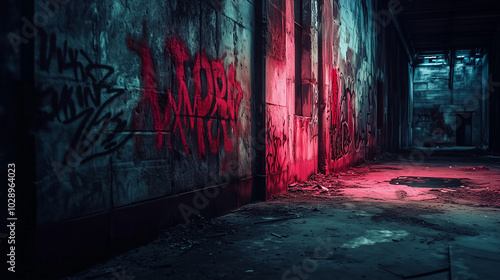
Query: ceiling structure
[[441, 26]]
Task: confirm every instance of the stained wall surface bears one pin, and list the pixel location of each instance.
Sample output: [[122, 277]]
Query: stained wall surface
[[448, 116], [350, 68], [139, 101], [151, 113]]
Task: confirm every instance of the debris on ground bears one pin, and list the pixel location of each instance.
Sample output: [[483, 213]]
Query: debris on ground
[[337, 209], [467, 189], [477, 168]]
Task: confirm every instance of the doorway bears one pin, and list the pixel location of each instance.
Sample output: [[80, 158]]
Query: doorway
[[464, 129]]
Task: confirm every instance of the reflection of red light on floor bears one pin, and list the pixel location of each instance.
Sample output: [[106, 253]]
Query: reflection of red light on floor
[[407, 181]]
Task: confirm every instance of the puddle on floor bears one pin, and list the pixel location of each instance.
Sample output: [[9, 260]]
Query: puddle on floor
[[428, 182]]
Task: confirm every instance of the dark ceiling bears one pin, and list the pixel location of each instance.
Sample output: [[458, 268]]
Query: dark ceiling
[[438, 26]]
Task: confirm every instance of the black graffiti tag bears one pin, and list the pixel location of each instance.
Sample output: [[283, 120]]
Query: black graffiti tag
[[80, 90]]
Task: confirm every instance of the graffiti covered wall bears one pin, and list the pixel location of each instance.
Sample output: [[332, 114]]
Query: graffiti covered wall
[[321, 69], [133, 96], [149, 113], [291, 92], [350, 69]]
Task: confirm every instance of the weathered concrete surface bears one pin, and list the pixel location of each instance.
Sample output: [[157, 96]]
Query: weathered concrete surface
[[140, 107], [352, 61], [342, 232], [146, 114], [444, 116], [135, 100], [137, 97], [325, 75]]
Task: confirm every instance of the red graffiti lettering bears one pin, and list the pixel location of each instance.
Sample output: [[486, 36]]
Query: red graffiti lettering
[[178, 52], [335, 96], [217, 98], [149, 93], [234, 96]]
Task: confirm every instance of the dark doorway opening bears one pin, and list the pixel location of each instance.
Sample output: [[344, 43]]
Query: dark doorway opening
[[464, 130]]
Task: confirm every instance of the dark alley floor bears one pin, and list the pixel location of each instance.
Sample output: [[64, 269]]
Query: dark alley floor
[[387, 219]]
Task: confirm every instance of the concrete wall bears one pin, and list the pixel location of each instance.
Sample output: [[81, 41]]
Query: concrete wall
[[291, 137], [444, 116], [350, 69], [335, 125], [136, 98], [139, 101], [147, 114]]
